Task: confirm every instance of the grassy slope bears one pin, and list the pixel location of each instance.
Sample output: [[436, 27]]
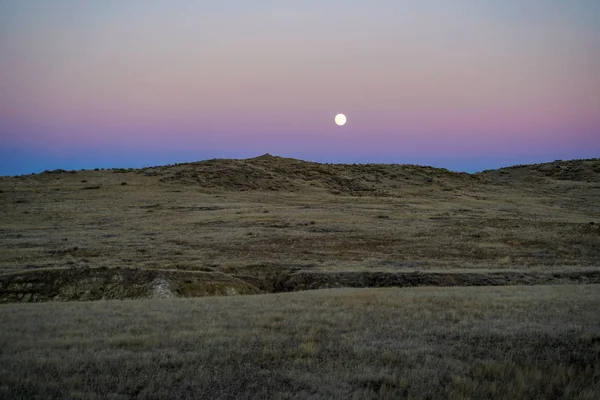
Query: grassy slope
[[220, 226], [263, 218], [510, 342]]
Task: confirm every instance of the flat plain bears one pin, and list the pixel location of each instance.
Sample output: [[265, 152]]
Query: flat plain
[[239, 233], [511, 342]]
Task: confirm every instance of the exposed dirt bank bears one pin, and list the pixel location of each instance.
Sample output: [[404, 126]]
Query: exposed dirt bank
[[72, 284], [115, 283]]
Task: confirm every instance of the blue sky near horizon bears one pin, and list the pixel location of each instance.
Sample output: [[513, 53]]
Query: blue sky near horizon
[[12, 162]]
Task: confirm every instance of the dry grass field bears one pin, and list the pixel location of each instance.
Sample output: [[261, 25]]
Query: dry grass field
[[272, 224], [178, 242], [533, 342]]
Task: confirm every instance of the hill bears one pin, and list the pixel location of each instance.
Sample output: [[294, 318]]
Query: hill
[[271, 224], [559, 170], [272, 173]]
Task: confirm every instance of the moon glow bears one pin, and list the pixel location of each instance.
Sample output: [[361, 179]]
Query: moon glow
[[340, 119]]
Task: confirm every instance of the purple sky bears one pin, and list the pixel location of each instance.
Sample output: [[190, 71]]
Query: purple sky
[[464, 85]]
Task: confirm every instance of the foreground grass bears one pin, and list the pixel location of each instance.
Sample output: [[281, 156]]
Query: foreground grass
[[500, 342]]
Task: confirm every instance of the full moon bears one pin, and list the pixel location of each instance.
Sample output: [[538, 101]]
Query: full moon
[[340, 119]]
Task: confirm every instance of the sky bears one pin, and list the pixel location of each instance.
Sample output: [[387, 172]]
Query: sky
[[466, 85]]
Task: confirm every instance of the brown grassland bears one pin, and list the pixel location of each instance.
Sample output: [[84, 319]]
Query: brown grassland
[[511, 342], [267, 225], [272, 224]]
